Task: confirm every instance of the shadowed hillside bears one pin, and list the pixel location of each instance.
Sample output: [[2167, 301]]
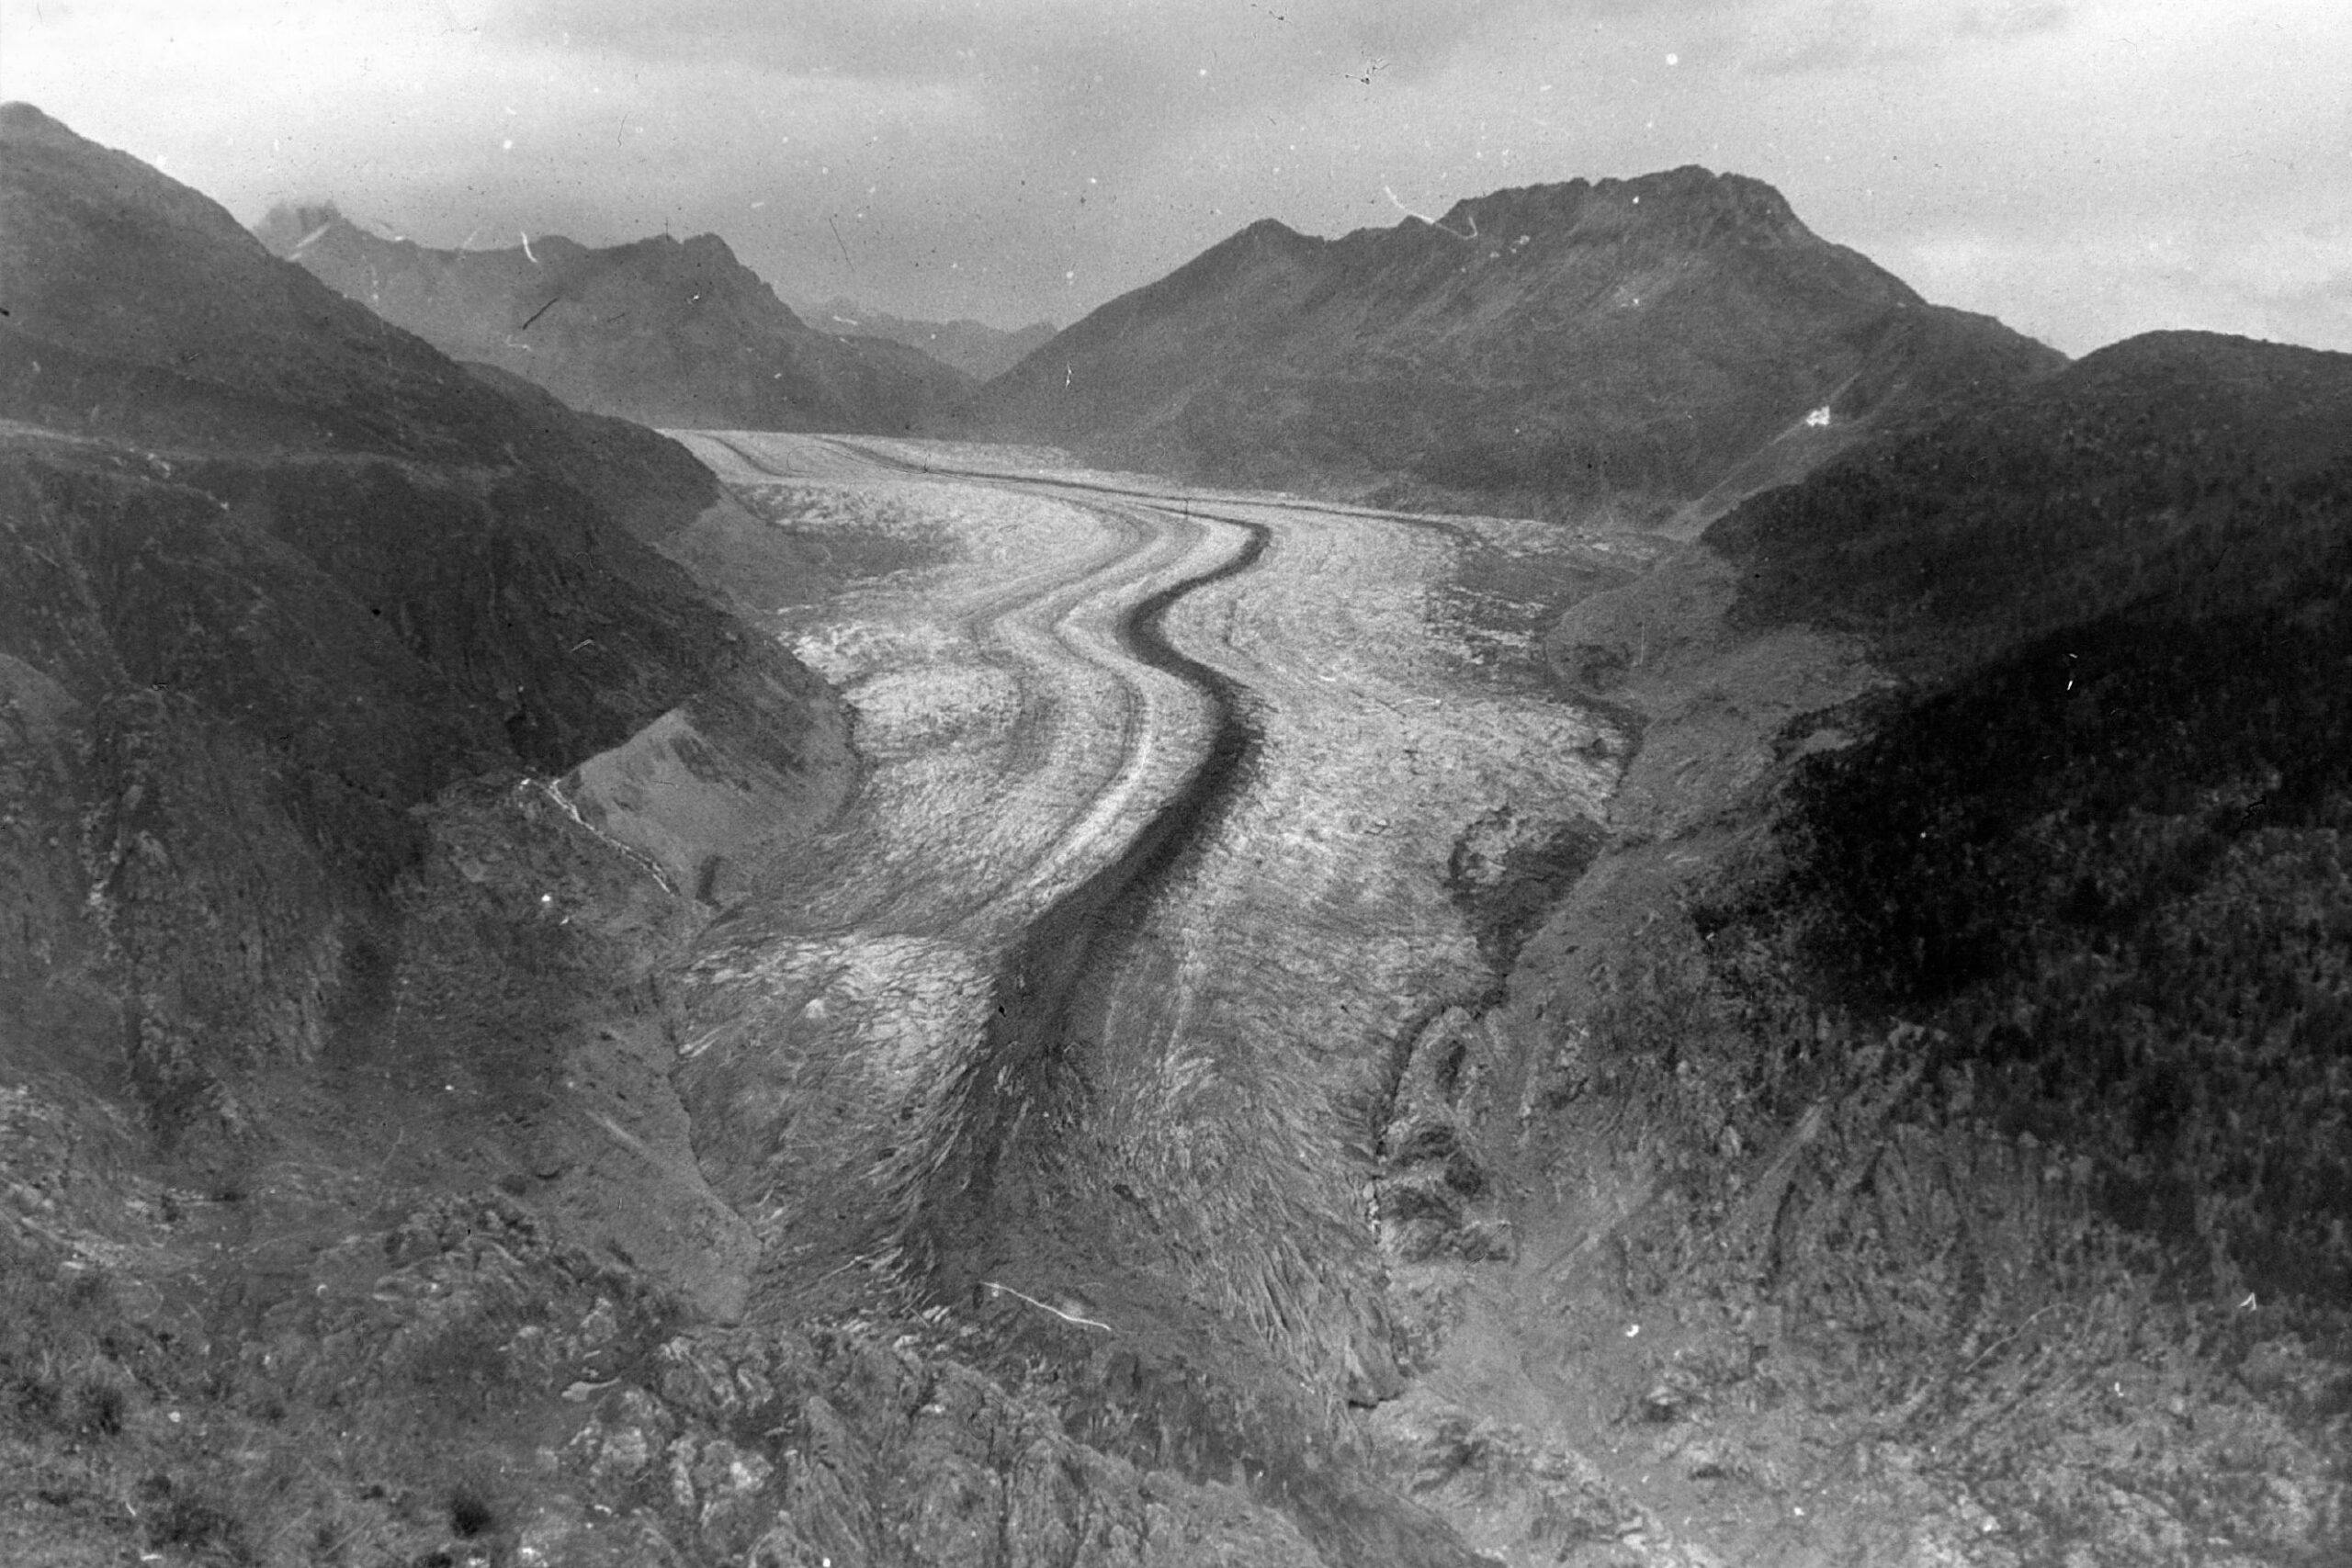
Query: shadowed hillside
[[2103, 851], [1533, 350], [300, 622], [2184, 468], [232, 488], [1964, 990], [667, 333]]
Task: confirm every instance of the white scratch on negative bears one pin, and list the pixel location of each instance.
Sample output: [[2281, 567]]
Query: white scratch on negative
[[1472, 216], [1041, 1306]]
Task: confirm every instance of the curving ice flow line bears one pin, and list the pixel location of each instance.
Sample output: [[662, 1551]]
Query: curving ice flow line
[[1072, 613], [1151, 717]]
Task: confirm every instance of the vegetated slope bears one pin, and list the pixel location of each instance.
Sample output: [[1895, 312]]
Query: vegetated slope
[[1534, 348], [2002, 1052], [667, 333], [976, 349], [2181, 468], [2108, 855]]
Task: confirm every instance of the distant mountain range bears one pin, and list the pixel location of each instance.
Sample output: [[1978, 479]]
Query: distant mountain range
[[667, 332], [1656, 339], [976, 349], [1665, 347]]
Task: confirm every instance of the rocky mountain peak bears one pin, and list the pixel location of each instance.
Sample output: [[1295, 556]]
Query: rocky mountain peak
[[1684, 206], [661, 330], [1534, 348], [111, 265], [1272, 231], [711, 249], [709, 268]]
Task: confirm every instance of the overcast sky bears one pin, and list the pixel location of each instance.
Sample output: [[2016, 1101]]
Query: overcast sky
[[2083, 169]]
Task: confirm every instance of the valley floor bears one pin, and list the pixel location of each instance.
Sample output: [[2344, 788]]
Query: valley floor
[[1240, 1015], [1224, 1090]]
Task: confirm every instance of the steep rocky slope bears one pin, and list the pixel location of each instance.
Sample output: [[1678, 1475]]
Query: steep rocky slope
[[976, 349], [1943, 1063], [298, 621], [668, 333], [269, 549], [1640, 341]]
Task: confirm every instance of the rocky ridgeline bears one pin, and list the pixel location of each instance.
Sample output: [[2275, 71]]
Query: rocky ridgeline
[[677, 334], [1636, 344]]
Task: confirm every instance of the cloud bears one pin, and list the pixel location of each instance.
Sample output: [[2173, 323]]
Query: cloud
[[2011, 18], [1828, 36], [1012, 158], [2104, 289]]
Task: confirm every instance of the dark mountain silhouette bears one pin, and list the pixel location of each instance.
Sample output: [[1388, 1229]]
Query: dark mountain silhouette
[[976, 349], [276, 574], [665, 333], [2100, 846], [1659, 337], [2183, 468]]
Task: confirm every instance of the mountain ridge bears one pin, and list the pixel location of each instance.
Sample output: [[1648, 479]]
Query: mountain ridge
[[668, 332], [254, 527], [1537, 349], [2062, 501]]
